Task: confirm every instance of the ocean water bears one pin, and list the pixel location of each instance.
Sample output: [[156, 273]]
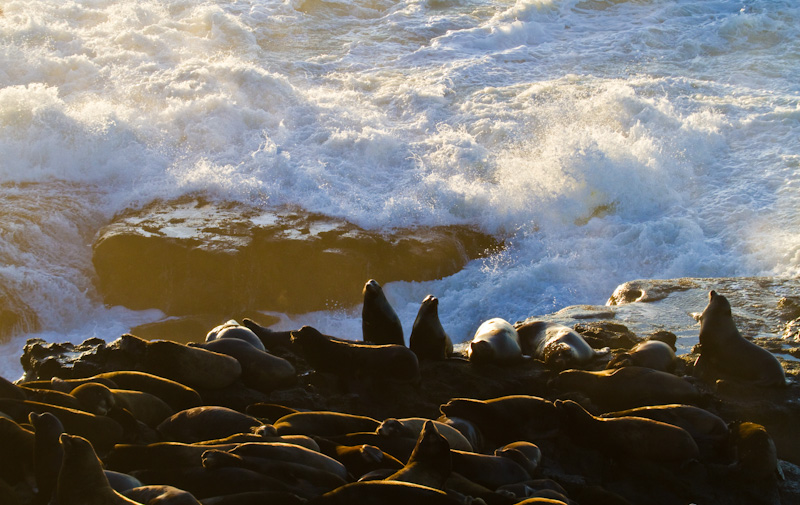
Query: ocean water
[[604, 140]]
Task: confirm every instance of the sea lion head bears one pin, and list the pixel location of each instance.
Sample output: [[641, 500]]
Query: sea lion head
[[95, 398], [431, 445]]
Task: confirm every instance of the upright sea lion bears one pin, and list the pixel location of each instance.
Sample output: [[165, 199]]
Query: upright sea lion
[[81, 480], [430, 463], [16, 453], [379, 321], [653, 354], [557, 345], [428, 339], [495, 341], [232, 329], [205, 423], [47, 454], [382, 363], [628, 436], [725, 354], [628, 387]]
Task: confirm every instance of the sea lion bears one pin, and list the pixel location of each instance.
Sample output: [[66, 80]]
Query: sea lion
[[628, 436], [488, 470], [378, 363], [271, 339], [428, 339], [430, 463], [94, 398], [384, 492], [324, 424], [161, 495], [204, 483], [261, 370], [397, 446], [495, 341], [270, 411], [379, 321], [653, 354], [158, 455], [47, 454], [81, 480], [507, 418], [413, 426], [702, 425], [232, 329], [725, 354], [755, 456], [359, 459], [16, 453], [192, 366], [256, 498], [205, 423], [291, 454], [559, 346], [178, 396], [467, 428], [525, 454], [628, 387]]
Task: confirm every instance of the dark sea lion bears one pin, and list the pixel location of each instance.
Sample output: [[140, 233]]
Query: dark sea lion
[[205, 483], [525, 454], [205, 423], [10, 390], [94, 398], [507, 418], [755, 455], [428, 339], [291, 454], [120, 481], [384, 493], [81, 480], [64, 385], [653, 354], [271, 339], [232, 329], [359, 459], [256, 498], [495, 341], [16, 453], [725, 354], [430, 463], [324, 424], [557, 345], [413, 426], [176, 395], [264, 434], [379, 321], [147, 408], [488, 471], [270, 411], [628, 387], [161, 495], [52, 397], [47, 454], [399, 447], [467, 428], [159, 455], [701, 424], [384, 363], [260, 370], [192, 366], [628, 436]]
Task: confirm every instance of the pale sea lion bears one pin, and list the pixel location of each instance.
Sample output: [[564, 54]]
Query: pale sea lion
[[557, 345], [430, 463], [81, 480], [381, 363], [206, 423], [428, 339], [725, 354], [232, 329], [628, 436], [653, 354], [379, 321], [495, 341]]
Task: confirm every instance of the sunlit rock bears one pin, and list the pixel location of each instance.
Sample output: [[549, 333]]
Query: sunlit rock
[[193, 256]]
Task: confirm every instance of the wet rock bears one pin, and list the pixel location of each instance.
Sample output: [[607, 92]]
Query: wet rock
[[192, 256]]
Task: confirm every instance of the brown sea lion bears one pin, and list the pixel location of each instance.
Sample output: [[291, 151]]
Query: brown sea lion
[[653, 354], [525, 454], [81, 480], [755, 456], [430, 463], [158, 455], [324, 424], [628, 436], [725, 354], [232, 329], [628, 387], [559, 346], [488, 471], [47, 454], [383, 363], [384, 493], [379, 321], [428, 339], [176, 395], [495, 341], [205, 423], [161, 495], [701, 424], [261, 370], [413, 426], [291, 453], [507, 418], [359, 459]]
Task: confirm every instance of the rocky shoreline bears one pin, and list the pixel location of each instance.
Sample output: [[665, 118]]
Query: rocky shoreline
[[585, 469]]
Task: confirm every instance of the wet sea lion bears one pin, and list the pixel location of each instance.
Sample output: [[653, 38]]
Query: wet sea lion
[[559, 346], [507, 418], [413, 426], [725, 354], [628, 387], [379, 321], [495, 341], [653, 354], [628, 436], [261, 370], [324, 424], [205, 423], [232, 329], [428, 339], [81, 480], [430, 463], [382, 363]]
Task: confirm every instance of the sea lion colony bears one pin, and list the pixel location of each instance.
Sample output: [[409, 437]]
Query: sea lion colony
[[253, 416]]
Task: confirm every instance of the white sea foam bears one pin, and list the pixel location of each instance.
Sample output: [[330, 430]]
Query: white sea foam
[[604, 140]]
